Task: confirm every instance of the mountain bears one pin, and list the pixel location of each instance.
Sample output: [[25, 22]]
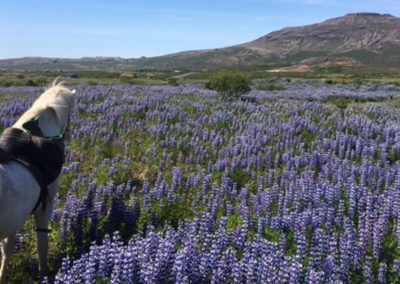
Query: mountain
[[368, 39], [361, 40]]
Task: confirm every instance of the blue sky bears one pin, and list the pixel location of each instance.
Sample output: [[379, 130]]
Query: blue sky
[[79, 28]]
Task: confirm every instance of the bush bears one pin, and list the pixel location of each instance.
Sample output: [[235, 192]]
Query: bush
[[30, 83], [41, 82], [127, 76], [6, 83], [229, 84], [173, 82], [357, 81], [340, 102]]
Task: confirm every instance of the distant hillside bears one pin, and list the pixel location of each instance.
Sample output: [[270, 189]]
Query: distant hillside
[[53, 64], [361, 40]]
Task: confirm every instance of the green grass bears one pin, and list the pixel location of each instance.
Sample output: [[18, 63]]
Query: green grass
[[365, 56], [306, 54]]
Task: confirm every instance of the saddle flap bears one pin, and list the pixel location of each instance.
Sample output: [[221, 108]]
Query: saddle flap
[[51, 157]]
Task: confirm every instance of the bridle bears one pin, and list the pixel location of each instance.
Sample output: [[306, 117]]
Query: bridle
[[33, 129]]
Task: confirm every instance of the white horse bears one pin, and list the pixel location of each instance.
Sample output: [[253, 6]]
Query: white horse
[[20, 191]]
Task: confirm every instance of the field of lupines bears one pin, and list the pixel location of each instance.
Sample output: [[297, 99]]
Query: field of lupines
[[171, 185]]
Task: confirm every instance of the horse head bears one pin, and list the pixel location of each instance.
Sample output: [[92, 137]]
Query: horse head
[[50, 114]]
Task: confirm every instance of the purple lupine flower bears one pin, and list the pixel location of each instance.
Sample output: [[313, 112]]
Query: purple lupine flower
[[382, 273]]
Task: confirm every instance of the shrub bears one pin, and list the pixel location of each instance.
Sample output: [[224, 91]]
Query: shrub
[[126, 76], [340, 102], [30, 83], [6, 83], [230, 85], [357, 81], [173, 82], [41, 82]]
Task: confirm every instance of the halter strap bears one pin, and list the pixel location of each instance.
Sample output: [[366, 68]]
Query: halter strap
[[32, 127]]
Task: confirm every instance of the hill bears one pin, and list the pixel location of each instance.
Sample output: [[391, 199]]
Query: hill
[[361, 40]]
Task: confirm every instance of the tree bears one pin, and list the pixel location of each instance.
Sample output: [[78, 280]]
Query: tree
[[230, 84]]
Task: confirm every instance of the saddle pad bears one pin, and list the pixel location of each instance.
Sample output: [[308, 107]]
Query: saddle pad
[[46, 155]]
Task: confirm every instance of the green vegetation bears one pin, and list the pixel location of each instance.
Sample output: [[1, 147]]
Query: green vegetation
[[44, 78], [266, 80], [306, 54], [343, 102], [230, 84], [271, 86], [365, 56], [173, 82]]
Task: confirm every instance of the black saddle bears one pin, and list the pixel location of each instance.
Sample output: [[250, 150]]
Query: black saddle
[[43, 157]]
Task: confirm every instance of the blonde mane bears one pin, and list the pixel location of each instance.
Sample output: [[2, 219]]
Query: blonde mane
[[57, 97]]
